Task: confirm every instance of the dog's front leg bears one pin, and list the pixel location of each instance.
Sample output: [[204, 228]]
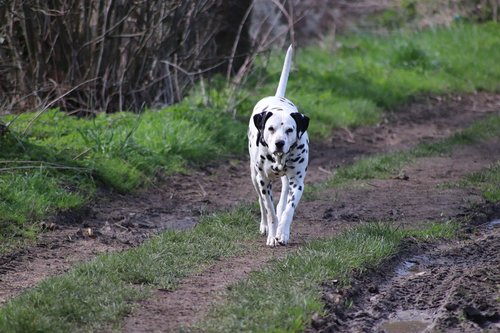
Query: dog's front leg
[[284, 194], [265, 189], [263, 212], [285, 220]]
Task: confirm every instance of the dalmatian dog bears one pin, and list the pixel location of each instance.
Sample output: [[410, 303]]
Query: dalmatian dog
[[279, 148]]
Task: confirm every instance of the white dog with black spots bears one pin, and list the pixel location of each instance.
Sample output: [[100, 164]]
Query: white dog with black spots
[[279, 147]]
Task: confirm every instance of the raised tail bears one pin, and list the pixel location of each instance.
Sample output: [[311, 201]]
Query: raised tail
[[280, 92]]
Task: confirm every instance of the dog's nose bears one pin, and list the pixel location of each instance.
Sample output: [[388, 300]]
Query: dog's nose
[[280, 144]]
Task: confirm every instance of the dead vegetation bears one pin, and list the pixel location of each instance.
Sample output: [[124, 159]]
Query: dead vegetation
[[111, 55]]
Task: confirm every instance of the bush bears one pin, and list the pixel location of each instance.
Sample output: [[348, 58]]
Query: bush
[[112, 55]]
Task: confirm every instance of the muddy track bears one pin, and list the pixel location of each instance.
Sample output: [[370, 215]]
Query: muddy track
[[119, 222], [431, 288]]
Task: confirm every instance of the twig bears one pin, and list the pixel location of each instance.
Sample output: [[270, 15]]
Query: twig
[[237, 40], [325, 171], [46, 107], [24, 167], [203, 192], [81, 154]]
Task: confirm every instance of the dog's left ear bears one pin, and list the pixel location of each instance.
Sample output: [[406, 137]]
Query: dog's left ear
[[302, 123]]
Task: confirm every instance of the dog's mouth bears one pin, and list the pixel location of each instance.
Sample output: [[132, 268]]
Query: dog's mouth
[[279, 159]]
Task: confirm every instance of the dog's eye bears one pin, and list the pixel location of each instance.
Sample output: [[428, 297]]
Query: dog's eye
[[289, 131], [271, 129]]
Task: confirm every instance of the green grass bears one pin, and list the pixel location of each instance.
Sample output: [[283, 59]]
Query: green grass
[[391, 164], [282, 297], [61, 161], [102, 291], [369, 73], [348, 87], [486, 180]]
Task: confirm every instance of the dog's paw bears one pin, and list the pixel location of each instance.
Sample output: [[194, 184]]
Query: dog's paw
[[282, 239], [263, 228], [272, 241], [283, 234]]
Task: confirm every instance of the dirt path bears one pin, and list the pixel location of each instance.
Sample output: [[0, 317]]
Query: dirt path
[[119, 222]]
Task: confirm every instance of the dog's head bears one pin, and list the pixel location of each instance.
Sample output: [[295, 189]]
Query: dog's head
[[280, 130]]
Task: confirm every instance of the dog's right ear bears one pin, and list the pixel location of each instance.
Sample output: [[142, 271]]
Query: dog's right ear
[[259, 121]]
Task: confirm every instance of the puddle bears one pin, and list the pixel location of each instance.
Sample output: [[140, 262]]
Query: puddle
[[414, 265], [409, 321], [494, 224], [409, 326]]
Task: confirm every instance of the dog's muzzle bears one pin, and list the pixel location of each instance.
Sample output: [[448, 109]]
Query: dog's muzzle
[[279, 159]]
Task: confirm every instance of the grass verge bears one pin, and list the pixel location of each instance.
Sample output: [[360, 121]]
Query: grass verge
[[101, 292], [387, 165], [283, 297]]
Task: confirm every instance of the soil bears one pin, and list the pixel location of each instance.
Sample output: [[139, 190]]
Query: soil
[[430, 288], [116, 222]]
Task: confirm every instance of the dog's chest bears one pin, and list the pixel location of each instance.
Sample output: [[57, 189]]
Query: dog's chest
[[293, 161]]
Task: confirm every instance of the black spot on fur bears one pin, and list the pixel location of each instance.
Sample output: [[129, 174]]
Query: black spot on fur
[[301, 146], [293, 205], [303, 151], [260, 169], [261, 183], [270, 158], [301, 160], [300, 188], [264, 192], [291, 167], [262, 157]]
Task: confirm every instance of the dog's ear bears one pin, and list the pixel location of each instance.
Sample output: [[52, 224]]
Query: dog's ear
[[302, 123], [259, 121]]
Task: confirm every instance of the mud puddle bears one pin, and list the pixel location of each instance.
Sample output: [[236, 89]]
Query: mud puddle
[[407, 322]]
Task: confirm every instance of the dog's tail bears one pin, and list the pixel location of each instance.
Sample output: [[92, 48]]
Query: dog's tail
[[280, 92]]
